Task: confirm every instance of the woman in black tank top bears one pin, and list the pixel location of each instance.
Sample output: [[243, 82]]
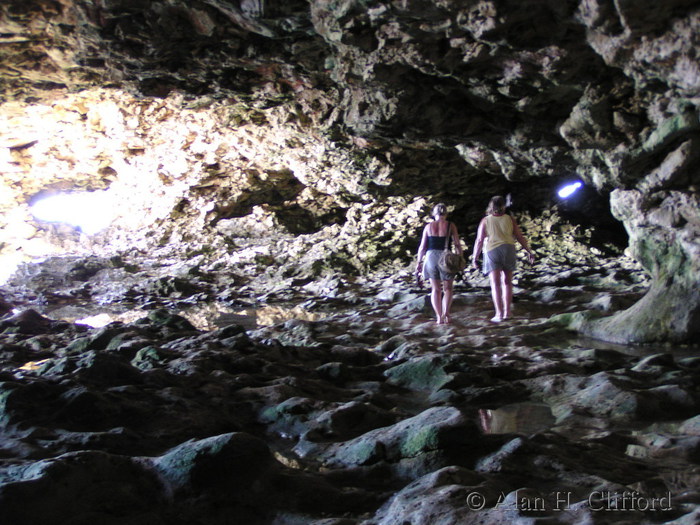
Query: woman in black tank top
[[435, 235]]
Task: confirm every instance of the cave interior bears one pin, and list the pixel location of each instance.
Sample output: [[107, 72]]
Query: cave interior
[[210, 216]]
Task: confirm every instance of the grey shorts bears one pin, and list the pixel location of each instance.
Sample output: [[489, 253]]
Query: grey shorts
[[430, 267], [500, 258]]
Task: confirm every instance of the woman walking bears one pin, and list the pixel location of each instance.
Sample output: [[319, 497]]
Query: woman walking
[[436, 235], [499, 231]]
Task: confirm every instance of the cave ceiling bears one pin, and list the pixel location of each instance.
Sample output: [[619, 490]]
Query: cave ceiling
[[449, 99]]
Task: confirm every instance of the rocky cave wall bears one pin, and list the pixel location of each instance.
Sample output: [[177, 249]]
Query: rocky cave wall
[[328, 127]]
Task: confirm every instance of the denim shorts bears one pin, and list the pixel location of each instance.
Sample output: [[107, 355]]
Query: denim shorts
[[430, 267], [500, 258]]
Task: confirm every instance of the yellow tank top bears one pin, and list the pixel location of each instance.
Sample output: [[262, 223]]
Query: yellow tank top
[[499, 230]]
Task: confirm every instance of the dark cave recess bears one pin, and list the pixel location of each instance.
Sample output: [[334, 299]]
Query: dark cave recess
[[586, 207]]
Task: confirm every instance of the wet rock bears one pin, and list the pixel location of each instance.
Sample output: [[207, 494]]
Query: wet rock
[[20, 400], [350, 420], [147, 358], [27, 322], [5, 307], [434, 436], [438, 497], [596, 359], [683, 448], [691, 426], [234, 462], [420, 373], [293, 417], [112, 488], [399, 347], [319, 419], [165, 319], [106, 370], [687, 519], [615, 397], [654, 364]]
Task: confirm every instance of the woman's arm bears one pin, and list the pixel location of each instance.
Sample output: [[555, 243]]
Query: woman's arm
[[422, 249], [522, 240], [479, 243], [456, 241]]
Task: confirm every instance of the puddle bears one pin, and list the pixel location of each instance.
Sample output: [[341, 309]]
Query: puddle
[[203, 317], [518, 418], [32, 366], [638, 350], [251, 318], [95, 315]]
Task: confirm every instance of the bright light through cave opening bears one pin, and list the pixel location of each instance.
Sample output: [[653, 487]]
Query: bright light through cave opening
[[568, 190], [91, 212]]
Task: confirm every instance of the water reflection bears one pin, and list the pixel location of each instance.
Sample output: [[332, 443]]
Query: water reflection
[[635, 350], [33, 365], [212, 317], [202, 317], [96, 316], [521, 418]]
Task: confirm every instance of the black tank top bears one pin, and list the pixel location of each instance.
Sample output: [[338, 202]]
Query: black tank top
[[436, 243]]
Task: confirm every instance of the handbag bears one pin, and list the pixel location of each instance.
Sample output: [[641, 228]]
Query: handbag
[[449, 261]]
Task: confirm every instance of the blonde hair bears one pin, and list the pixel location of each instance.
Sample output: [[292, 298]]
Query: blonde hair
[[439, 209], [496, 205]]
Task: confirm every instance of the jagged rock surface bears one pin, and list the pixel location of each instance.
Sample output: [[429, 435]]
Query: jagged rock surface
[[368, 414], [305, 116], [271, 165]]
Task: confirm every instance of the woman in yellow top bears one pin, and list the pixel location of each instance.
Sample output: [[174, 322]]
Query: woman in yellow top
[[500, 231]]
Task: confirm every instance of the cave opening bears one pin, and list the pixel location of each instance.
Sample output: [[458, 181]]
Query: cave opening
[[89, 212], [582, 206], [588, 207], [567, 191]]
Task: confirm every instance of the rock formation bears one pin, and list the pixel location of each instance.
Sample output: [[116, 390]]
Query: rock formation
[[305, 116], [257, 350]]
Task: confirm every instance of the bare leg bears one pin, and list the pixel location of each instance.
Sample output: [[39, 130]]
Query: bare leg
[[507, 289], [496, 294], [436, 298], [446, 300]]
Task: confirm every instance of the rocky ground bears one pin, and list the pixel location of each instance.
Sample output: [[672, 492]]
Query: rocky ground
[[353, 408]]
